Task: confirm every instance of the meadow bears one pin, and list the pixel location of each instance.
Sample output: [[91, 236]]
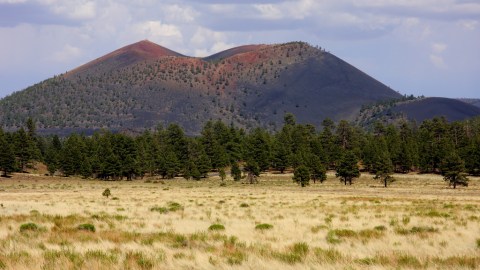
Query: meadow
[[418, 222]]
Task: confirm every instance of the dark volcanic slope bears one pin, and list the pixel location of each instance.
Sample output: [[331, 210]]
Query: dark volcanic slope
[[474, 101], [426, 108], [142, 85]]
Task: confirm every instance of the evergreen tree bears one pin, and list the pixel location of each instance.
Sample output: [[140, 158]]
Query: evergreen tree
[[25, 149], [316, 168], [347, 168], [383, 168], [301, 175], [222, 174], [235, 172], [453, 170], [52, 155], [328, 142], [7, 156], [280, 154], [472, 157], [257, 149]]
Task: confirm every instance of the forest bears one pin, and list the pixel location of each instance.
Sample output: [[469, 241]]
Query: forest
[[451, 149]]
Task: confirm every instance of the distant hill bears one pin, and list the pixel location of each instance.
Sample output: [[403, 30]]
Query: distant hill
[[417, 110], [143, 84], [473, 101]]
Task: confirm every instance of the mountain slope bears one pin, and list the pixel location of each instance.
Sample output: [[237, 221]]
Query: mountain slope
[[426, 108], [416, 109], [143, 84]]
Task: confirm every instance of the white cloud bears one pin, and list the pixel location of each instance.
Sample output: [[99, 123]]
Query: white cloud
[[78, 10], [269, 11], [438, 61], [167, 35], [207, 42], [156, 29], [177, 13], [67, 54], [12, 1], [439, 47], [468, 24]]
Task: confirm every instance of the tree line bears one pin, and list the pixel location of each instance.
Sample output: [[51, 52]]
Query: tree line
[[434, 146]]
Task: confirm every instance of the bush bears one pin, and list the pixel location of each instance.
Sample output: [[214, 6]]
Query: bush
[[174, 206], [300, 249], [216, 227], [264, 226], [86, 227], [244, 205], [106, 193], [161, 210], [478, 243], [29, 227]]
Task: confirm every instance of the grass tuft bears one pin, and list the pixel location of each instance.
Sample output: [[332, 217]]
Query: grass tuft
[[263, 227], [29, 227], [216, 227], [161, 210], [86, 227]]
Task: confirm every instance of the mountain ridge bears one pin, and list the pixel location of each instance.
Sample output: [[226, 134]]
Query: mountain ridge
[[144, 84]]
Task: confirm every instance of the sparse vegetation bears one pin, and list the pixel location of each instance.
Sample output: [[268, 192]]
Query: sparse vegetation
[[86, 227], [263, 226], [322, 227], [29, 227], [106, 193], [216, 227]]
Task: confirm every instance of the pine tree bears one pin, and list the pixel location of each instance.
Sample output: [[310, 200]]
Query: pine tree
[[222, 174], [7, 156], [235, 172], [316, 168], [347, 169], [301, 175], [382, 165], [453, 170], [25, 149]]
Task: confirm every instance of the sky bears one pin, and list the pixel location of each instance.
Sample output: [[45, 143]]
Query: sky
[[419, 47]]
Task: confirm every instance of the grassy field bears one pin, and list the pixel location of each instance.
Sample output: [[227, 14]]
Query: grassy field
[[66, 223]]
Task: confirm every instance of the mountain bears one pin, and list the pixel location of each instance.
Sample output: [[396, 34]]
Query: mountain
[[473, 101], [142, 85], [426, 108], [417, 109]]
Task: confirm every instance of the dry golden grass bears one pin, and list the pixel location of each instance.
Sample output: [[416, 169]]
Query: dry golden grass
[[416, 223]]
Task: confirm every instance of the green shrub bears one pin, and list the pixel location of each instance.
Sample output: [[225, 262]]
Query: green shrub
[[380, 228], [161, 210], [416, 230], [423, 229], [264, 226], [330, 255], [106, 193], [236, 258], [86, 227], [216, 227], [244, 205], [29, 227], [174, 206], [300, 249], [478, 242], [288, 257]]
